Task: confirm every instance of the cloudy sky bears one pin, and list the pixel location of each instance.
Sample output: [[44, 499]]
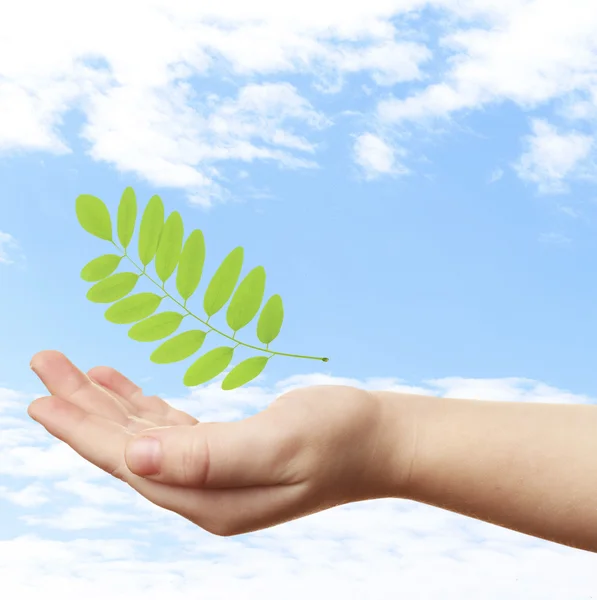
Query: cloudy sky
[[418, 179]]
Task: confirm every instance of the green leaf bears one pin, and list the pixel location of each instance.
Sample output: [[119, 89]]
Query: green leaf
[[127, 216], [150, 229], [134, 308], [156, 327], [113, 288], [190, 266], [223, 282], [100, 267], [244, 372], [246, 300], [179, 347], [94, 217], [162, 241], [270, 320], [208, 366], [169, 247]]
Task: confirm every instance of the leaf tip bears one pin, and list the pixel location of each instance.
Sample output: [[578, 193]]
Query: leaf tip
[[187, 381]]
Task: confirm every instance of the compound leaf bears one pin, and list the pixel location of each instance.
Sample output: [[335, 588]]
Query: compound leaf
[[113, 288], [244, 372], [152, 223], [246, 300], [100, 267], [169, 248], [156, 327], [134, 308], [270, 320], [163, 241], [94, 217], [190, 266], [208, 366], [127, 216], [179, 347], [223, 282]]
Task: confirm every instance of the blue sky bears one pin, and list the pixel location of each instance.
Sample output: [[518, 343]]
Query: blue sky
[[416, 177]]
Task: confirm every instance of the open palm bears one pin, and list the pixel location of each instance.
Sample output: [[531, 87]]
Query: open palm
[[129, 407], [106, 394], [99, 413]]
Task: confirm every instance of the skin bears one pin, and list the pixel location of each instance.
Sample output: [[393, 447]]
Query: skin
[[528, 467]]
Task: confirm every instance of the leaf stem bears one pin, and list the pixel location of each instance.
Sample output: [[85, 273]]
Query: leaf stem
[[189, 313]]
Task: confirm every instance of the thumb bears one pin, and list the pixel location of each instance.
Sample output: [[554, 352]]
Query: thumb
[[213, 455]]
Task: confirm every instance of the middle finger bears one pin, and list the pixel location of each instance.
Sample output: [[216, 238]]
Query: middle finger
[[63, 379]]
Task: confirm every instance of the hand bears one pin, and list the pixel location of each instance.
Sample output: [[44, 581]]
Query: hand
[[313, 448]]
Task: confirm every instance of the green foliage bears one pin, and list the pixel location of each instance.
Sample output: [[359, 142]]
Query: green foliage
[[156, 327], [133, 308], [270, 321], [246, 300], [100, 267], [208, 366], [244, 372], [127, 217], [170, 246], [162, 242], [150, 229], [113, 288], [223, 282], [190, 267], [94, 216], [179, 347]]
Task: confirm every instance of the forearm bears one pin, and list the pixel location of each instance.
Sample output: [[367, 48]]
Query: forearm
[[527, 467]]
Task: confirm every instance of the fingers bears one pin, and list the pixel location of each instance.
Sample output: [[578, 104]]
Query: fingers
[[112, 380], [253, 452], [115, 381], [96, 439], [63, 379], [220, 511]]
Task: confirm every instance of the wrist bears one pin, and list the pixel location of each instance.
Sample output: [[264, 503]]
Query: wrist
[[400, 414]]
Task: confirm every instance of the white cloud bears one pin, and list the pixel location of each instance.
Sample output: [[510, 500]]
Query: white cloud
[[7, 246], [75, 518], [114, 543], [389, 63], [496, 175], [513, 389], [526, 52], [557, 239], [93, 493], [530, 53], [44, 461], [552, 157], [10, 399], [164, 138], [168, 90], [140, 79], [29, 496], [377, 157], [569, 211]]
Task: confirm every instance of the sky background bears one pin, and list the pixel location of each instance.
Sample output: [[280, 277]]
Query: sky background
[[418, 180]]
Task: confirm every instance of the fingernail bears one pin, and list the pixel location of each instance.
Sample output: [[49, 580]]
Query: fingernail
[[143, 456]]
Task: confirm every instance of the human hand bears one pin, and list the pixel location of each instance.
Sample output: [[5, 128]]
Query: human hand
[[312, 449]]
